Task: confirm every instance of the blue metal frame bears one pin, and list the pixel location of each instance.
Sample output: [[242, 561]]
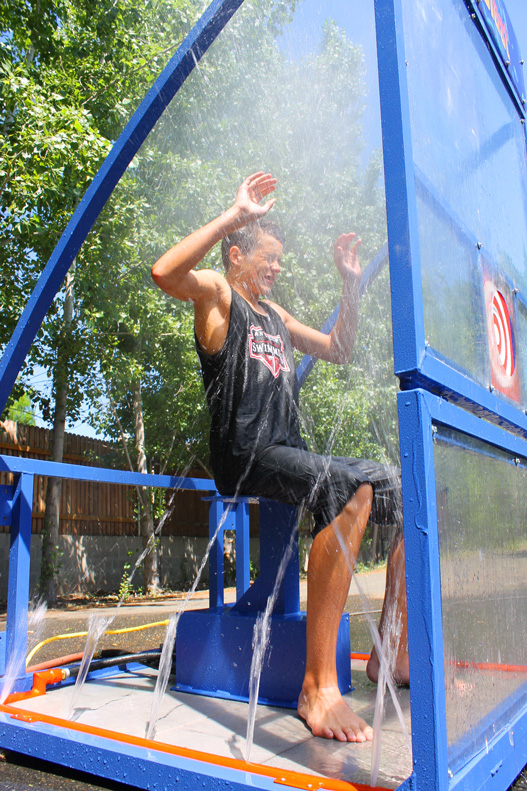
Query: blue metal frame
[[146, 764], [15, 506], [497, 765], [416, 364], [509, 64]]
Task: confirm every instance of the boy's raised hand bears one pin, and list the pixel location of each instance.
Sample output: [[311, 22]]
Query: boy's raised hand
[[250, 193], [346, 257]]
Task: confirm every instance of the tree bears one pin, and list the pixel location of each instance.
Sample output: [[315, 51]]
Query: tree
[[70, 75]]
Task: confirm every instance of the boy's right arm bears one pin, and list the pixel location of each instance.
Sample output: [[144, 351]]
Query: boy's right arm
[[174, 271]]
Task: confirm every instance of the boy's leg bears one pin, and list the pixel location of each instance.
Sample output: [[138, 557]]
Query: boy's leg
[[331, 562], [393, 626]]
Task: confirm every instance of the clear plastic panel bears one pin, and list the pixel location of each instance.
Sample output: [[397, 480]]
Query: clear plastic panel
[[285, 90], [482, 513], [452, 279], [469, 151]]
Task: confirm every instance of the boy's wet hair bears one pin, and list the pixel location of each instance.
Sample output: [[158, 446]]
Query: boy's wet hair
[[247, 238]]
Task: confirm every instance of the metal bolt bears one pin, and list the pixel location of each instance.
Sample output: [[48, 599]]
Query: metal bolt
[[406, 63], [479, 245], [517, 462], [434, 429], [491, 388], [507, 63], [473, 16], [522, 120], [515, 291]]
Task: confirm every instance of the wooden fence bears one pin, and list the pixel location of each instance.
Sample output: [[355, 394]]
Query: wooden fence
[[89, 508]]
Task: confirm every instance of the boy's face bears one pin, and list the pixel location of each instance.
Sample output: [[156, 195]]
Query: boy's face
[[259, 268]]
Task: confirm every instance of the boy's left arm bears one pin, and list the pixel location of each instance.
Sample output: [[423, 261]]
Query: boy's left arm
[[337, 347]]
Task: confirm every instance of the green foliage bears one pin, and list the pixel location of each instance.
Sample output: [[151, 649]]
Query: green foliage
[[21, 411], [70, 76]]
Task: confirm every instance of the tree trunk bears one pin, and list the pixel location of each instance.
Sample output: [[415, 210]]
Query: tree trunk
[[50, 560], [151, 571]]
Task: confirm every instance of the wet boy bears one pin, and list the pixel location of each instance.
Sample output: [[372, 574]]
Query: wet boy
[[245, 347]]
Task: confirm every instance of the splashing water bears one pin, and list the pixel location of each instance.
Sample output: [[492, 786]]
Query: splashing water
[[149, 546], [384, 672], [261, 635], [97, 626], [16, 665], [165, 663], [35, 623], [392, 634]]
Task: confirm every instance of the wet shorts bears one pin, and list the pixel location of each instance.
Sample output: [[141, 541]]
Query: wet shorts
[[324, 484]]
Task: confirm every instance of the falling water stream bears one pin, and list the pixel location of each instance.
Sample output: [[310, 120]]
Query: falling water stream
[[384, 678], [165, 662], [16, 666], [392, 633], [261, 635], [98, 625]]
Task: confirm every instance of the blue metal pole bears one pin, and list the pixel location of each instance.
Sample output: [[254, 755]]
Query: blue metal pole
[[401, 202], [18, 585], [216, 569], [243, 555], [423, 587]]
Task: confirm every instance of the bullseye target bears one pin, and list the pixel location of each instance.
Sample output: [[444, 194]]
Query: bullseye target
[[502, 331], [504, 377]]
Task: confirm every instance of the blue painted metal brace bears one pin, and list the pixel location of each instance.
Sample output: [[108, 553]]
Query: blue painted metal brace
[[228, 514], [419, 412], [16, 507]]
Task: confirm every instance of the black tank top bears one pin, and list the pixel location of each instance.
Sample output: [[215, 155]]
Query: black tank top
[[252, 392]]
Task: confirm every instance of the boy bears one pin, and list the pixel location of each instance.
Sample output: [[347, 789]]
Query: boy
[[245, 347]]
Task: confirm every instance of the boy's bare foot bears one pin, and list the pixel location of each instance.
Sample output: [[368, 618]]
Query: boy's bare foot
[[328, 715], [400, 673]]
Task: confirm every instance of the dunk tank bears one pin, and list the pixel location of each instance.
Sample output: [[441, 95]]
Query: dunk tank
[[453, 129]]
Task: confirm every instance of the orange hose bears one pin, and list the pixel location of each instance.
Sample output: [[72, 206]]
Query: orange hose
[[61, 660]]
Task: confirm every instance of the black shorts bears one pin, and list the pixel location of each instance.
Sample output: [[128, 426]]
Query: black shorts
[[324, 484]]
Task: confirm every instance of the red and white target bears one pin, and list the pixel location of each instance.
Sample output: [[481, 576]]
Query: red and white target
[[501, 342], [502, 332]]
